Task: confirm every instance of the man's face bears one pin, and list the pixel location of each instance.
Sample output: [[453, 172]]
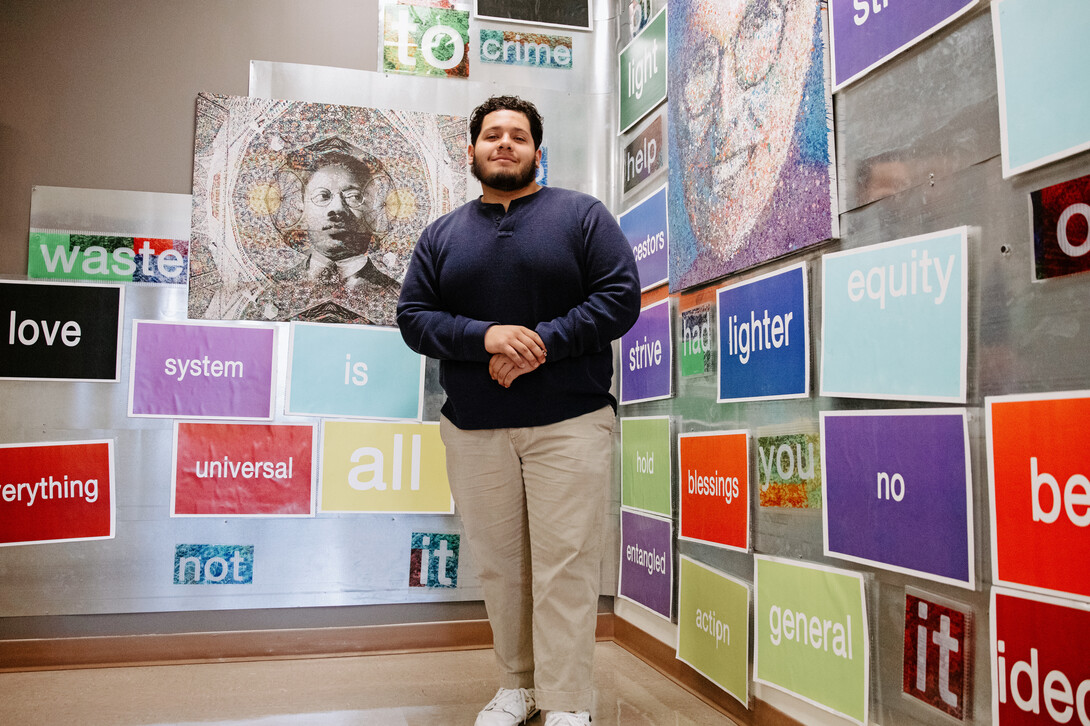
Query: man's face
[[334, 208], [747, 63], [504, 157]]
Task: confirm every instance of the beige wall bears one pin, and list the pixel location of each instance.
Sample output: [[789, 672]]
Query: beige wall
[[101, 94]]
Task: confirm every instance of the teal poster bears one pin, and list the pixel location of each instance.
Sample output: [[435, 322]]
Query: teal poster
[[1041, 57], [353, 371], [895, 319]]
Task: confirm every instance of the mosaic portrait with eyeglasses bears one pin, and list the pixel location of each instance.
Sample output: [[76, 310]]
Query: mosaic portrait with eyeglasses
[[752, 174], [306, 211]]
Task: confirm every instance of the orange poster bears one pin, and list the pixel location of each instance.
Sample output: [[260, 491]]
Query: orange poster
[[713, 476], [1038, 461]]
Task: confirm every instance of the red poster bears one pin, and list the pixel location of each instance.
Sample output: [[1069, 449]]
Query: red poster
[[937, 663], [1039, 459], [1040, 670], [713, 476], [52, 492], [243, 469]]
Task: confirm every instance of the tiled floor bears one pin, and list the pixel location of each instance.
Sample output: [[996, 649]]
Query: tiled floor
[[433, 689]]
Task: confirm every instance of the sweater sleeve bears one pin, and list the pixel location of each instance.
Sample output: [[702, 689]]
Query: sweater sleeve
[[425, 324], [612, 304]]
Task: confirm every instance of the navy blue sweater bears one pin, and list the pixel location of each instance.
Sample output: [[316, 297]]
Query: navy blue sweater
[[556, 262]]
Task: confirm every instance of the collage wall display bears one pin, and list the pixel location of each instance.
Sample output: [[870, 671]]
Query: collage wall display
[[816, 519], [894, 483]]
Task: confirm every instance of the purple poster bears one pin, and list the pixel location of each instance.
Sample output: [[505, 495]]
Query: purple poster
[[897, 492], [647, 562], [646, 356], [867, 33], [201, 370]]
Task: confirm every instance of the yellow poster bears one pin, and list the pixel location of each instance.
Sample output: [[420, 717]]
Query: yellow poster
[[383, 467]]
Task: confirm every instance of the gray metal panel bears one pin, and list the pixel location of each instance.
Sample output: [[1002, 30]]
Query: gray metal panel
[[332, 559]]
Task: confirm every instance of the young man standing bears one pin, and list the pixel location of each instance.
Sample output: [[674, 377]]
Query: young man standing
[[519, 294]]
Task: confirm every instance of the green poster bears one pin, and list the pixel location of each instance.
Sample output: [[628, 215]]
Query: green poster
[[107, 258], [812, 641], [643, 72], [713, 627], [645, 464], [425, 41]]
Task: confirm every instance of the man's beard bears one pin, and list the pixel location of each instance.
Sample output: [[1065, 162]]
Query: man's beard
[[505, 181]]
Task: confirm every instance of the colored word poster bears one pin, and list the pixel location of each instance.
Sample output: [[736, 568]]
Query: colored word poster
[[1042, 116], [645, 154], [433, 560], [56, 492], [1038, 464], [764, 337], [563, 13], [895, 319], [898, 491], [110, 258], [202, 370], [646, 573], [209, 564], [60, 332], [697, 354], [647, 356], [383, 467], [811, 634], [535, 50], [750, 124], [713, 477], [243, 470], [1061, 228], [106, 235], [646, 229], [642, 73], [1040, 672], [353, 371], [310, 211], [937, 660], [645, 464], [425, 41], [866, 34], [789, 470], [713, 626]]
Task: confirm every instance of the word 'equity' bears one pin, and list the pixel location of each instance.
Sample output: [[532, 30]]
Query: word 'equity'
[[914, 280]]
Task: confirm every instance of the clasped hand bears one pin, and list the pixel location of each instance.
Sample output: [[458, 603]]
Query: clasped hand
[[515, 350]]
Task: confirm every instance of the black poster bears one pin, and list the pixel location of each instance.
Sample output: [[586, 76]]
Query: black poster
[[51, 331], [565, 13]]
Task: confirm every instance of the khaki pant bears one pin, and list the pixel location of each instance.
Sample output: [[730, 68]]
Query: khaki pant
[[533, 502]]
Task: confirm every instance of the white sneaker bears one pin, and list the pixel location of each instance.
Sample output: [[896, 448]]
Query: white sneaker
[[568, 718], [509, 707]]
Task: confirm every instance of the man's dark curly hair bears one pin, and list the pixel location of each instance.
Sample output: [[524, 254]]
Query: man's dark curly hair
[[508, 103]]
